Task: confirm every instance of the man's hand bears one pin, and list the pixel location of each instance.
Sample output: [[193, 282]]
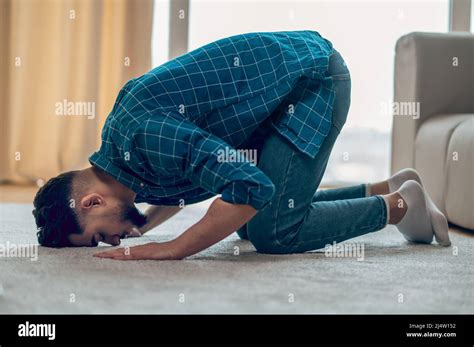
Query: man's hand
[[149, 251], [221, 220]]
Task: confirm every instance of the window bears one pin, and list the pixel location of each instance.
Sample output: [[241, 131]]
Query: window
[[160, 34], [472, 16], [365, 32]]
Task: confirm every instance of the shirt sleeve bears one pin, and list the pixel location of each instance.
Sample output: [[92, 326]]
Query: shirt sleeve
[[172, 147]]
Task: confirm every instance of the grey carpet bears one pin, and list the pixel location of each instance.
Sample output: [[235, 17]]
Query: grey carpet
[[430, 278]]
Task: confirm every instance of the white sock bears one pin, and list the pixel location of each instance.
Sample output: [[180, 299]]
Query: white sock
[[415, 224], [438, 219]]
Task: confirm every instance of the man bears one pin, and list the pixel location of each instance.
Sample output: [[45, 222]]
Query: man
[[180, 134]]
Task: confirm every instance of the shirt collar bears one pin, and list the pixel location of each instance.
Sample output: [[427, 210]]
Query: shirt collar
[[128, 180]]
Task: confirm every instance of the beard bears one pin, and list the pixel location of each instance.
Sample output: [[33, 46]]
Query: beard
[[134, 215]]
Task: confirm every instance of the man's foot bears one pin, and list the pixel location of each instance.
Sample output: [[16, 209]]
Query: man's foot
[[415, 224], [438, 219], [400, 177]]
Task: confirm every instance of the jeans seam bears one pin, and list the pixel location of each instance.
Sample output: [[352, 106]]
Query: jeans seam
[[280, 199]]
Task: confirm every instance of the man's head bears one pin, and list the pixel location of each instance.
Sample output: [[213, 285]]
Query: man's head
[[83, 208]]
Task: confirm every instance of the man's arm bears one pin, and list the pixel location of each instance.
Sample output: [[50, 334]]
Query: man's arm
[[157, 215], [244, 188], [221, 220]]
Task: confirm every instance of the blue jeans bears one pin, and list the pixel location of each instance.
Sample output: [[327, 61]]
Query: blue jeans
[[299, 218]]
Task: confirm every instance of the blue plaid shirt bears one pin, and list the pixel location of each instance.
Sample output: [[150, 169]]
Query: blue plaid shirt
[[167, 127]]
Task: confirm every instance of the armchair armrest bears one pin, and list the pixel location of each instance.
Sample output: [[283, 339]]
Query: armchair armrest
[[436, 71]]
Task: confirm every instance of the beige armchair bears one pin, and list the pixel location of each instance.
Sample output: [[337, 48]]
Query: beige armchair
[[433, 121]]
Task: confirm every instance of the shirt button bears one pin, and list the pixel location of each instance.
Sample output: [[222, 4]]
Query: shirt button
[[142, 184]]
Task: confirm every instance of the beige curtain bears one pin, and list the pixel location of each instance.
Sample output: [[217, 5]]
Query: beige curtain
[[60, 60]]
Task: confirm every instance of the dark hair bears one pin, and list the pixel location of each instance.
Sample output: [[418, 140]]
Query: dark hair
[[54, 216]]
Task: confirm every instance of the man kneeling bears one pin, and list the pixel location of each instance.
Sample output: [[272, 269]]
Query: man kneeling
[[284, 96]]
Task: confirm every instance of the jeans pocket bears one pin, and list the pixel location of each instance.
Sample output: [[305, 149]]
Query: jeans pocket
[[342, 101], [337, 67]]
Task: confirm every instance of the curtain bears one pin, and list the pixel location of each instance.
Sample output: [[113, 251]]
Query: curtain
[[62, 63]]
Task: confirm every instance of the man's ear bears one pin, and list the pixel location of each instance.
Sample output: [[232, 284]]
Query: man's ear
[[92, 200]]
